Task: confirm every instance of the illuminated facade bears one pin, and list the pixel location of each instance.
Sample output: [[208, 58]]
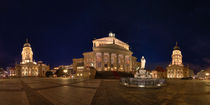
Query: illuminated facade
[[27, 66], [176, 69], [159, 72], [27, 53], [203, 74], [109, 54]]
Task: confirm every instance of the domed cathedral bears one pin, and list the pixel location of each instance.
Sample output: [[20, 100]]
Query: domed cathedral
[[109, 54], [27, 53], [27, 66], [176, 69]]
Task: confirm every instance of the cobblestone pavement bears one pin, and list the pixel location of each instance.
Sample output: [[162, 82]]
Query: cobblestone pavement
[[61, 91]]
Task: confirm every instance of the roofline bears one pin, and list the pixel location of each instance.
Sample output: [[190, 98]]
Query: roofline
[[112, 37]]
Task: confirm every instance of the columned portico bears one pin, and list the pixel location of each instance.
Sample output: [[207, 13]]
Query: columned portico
[[110, 54], [108, 61], [102, 60], [117, 62], [124, 63]]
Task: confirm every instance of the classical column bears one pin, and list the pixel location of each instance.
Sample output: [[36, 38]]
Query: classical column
[[102, 61], [94, 61], [124, 63], [117, 63], [130, 63], [110, 55]]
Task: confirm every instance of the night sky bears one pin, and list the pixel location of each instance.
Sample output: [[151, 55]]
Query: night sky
[[60, 31]]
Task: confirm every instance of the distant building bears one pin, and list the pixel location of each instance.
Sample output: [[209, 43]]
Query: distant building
[[154, 74], [176, 69], [191, 73], [109, 54], [79, 67], [68, 69], [28, 67], [3, 73], [64, 67], [43, 68], [200, 74], [11, 71], [159, 72], [203, 74]]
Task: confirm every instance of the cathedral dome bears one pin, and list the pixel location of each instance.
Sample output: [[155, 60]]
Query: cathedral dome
[[27, 44], [176, 47]]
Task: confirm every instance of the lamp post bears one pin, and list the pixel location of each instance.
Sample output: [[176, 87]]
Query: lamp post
[[65, 71]]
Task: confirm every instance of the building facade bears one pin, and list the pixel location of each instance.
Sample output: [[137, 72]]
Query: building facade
[[204, 74], [176, 69], [11, 71], [28, 67], [109, 54], [3, 73], [159, 72]]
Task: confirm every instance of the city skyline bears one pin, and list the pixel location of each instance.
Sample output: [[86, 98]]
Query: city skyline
[[27, 40], [59, 35]]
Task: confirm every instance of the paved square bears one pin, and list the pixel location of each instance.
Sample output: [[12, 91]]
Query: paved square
[[177, 92], [62, 91]]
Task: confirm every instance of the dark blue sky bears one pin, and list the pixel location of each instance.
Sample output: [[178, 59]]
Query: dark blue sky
[[59, 31]]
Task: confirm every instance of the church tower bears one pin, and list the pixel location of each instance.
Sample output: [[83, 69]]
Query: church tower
[[27, 53], [28, 67], [176, 56], [176, 68]]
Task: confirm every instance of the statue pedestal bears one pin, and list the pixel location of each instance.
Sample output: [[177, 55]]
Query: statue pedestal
[[142, 74]]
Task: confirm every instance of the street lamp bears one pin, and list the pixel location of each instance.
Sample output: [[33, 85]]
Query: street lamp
[[65, 71]]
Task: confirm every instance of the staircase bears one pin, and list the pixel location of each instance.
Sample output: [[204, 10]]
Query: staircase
[[116, 75]]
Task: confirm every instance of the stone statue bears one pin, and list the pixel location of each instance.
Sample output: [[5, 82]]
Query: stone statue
[[142, 73], [143, 62]]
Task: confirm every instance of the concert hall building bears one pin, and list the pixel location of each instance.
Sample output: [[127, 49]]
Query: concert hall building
[[109, 54]]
